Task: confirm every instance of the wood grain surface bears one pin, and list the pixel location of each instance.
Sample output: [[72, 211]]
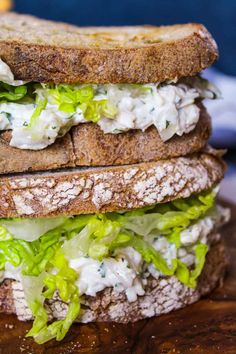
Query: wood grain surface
[[208, 326]]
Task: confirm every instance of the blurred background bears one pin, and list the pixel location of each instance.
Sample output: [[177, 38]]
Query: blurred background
[[218, 16]]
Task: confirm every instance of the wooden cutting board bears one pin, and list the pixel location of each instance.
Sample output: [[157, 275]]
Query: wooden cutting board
[[208, 326]]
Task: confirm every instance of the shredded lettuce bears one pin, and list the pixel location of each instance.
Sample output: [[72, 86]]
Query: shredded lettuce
[[40, 106], [63, 282], [12, 93], [71, 98], [189, 277], [28, 229], [168, 219], [43, 256]]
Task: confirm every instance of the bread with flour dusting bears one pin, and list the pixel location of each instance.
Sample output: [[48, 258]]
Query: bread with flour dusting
[[104, 189]]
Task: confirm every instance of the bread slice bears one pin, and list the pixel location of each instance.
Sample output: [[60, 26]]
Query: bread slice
[[161, 296], [94, 148], [102, 189], [45, 51], [87, 145]]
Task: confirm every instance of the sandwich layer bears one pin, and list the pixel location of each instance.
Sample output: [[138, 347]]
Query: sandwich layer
[[44, 51], [37, 114], [87, 145], [102, 266], [161, 296], [84, 191]]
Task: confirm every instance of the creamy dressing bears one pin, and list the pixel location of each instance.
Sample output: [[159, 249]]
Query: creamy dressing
[[94, 276], [7, 76], [200, 230], [170, 108], [51, 124]]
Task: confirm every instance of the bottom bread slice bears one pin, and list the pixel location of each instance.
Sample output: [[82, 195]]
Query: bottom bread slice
[[161, 296]]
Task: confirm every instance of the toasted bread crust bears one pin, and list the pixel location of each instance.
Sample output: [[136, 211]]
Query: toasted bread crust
[[87, 145], [103, 189], [161, 296], [44, 51]]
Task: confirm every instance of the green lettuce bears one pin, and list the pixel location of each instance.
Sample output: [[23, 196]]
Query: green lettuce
[[189, 277], [63, 282], [69, 98], [40, 106], [10, 93], [73, 98], [178, 268], [43, 256], [28, 229], [168, 219]]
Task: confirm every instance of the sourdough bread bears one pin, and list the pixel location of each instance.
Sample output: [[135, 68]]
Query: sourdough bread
[[103, 189], [45, 51]]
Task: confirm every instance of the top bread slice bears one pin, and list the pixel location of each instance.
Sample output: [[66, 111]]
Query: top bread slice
[[46, 51]]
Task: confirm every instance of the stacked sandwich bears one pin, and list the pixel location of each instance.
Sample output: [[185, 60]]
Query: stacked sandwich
[[108, 188]]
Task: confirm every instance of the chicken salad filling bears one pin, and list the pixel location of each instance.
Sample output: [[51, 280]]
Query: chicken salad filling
[[38, 114]]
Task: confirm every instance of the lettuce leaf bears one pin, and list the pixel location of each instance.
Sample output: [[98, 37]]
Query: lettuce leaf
[[70, 98], [187, 277], [40, 106], [42, 332], [5, 235], [150, 255], [33, 256], [94, 110], [43, 255], [12, 93], [28, 229], [168, 219], [63, 282]]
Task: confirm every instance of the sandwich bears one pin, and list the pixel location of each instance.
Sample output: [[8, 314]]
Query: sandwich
[[108, 186]]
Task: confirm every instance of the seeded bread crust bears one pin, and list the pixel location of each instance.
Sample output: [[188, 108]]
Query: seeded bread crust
[[87, 145], [161, 296], [45, 51], [103, 189]]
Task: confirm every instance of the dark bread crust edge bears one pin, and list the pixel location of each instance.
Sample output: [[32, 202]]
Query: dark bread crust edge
[[167, 60], [161, 296]]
